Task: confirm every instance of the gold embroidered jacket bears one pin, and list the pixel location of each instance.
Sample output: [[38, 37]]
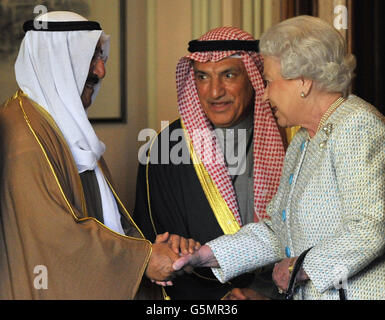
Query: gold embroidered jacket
[[45, 228]]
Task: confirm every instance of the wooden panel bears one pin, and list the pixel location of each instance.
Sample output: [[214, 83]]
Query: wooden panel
[[151, 64], [287, 9]]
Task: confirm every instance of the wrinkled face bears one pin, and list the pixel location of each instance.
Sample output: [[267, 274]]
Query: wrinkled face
[[282, 94], [96, 72], [224, 90]]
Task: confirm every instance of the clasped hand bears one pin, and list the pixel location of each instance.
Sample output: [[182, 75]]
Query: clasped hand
[[165, 251]]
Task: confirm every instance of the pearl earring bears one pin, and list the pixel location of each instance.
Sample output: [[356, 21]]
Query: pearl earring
[[303, 96]]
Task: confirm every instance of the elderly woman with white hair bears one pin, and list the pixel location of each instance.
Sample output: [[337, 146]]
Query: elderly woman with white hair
[[327, 226]]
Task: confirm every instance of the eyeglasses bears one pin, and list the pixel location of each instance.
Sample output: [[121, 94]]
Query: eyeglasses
[[98, 55]]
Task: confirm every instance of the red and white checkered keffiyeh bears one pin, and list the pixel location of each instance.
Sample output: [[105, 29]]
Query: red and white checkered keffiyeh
[[268, 146]]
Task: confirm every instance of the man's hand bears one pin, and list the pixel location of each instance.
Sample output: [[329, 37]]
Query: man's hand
[[244, 294], [159, 267], [178, 244], [204, 257]]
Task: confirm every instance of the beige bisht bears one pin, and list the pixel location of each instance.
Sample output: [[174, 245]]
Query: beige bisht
[[50, 247]]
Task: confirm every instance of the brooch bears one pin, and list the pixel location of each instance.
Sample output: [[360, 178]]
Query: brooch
[[328, 129]]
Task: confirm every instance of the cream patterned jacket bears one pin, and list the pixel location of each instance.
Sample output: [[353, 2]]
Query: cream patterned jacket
[[331, 197]]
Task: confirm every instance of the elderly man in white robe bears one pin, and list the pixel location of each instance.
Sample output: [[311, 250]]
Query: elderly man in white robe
[[64, 233]]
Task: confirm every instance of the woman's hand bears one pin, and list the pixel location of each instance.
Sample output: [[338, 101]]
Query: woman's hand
[[282, 274]]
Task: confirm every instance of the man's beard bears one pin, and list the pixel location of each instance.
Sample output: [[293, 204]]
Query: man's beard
[[92, 79], [91, 82]]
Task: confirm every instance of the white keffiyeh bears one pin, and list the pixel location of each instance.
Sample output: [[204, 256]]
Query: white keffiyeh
[[52, 68]]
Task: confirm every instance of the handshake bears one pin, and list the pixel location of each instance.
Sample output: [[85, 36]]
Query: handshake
[[172, 253]]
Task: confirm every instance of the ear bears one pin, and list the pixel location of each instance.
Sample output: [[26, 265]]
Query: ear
[[305, 85]]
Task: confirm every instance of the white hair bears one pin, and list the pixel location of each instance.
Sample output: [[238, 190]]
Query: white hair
[[310, 47]]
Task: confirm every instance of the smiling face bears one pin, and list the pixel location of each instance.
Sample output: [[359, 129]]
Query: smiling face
[[282, 94], [96, 72], [224, 90]]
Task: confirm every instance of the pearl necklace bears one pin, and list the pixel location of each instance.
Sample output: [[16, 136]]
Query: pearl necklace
[[329, 111]]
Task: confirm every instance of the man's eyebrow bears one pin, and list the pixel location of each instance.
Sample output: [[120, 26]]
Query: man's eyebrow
[[198, 71], [231, 69]]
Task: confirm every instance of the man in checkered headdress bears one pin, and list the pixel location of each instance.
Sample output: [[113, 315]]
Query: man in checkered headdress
[[235, 155]]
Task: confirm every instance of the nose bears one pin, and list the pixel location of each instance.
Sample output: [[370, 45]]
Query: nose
[[217, 88], [99, 68]]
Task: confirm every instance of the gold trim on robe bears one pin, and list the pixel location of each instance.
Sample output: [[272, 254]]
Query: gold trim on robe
[[45, 229], [51, 121], [222, 212], [290, 132]]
